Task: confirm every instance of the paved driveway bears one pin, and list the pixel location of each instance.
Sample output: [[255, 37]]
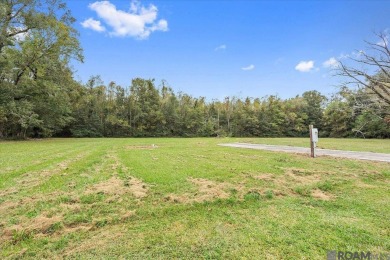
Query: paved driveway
[[381, 157]]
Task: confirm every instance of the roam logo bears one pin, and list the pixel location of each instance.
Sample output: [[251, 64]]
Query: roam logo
[[348, 255]]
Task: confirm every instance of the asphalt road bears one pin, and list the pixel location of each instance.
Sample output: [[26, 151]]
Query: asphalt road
[[381, 157]]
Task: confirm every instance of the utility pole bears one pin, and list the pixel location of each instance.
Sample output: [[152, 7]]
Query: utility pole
[[313, 140]]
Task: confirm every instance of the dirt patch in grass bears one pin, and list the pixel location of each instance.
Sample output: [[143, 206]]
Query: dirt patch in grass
[[302, 177], [29, 180], [77, 228], [319, 194], [265, 177], [39, 225], [42, 223], [127, 215], [113, 186], [7, 205], [116, 186], [273, 185], [8, 191], [287, 183], [207, 190], [137, 188]]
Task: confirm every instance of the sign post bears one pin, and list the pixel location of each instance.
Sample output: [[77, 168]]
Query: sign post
[[313, 140]]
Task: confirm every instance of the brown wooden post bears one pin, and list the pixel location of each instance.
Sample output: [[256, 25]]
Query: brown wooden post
[[311, 142]]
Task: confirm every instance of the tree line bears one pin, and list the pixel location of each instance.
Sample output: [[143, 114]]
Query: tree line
[[40, 98], [145, 110]]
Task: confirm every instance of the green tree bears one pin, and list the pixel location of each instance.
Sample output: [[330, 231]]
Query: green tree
[[36, 44], [147, 115], [315, 103], [338, 117]]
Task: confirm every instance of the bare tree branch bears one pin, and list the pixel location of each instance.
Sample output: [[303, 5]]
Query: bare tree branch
[[379, 62]]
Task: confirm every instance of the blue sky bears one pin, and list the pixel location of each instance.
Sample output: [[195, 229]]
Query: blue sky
[[225, 48]]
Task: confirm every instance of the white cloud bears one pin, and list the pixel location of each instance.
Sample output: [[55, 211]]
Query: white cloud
[[330, 63], [221, 47], [305, 66], [93, 24], [19, 36], [250, 67], [139, 22]]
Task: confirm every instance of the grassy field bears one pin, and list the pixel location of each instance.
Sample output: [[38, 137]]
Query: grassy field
[[189, 198]]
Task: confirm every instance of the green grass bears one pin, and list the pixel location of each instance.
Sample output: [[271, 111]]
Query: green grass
[[189, 198]]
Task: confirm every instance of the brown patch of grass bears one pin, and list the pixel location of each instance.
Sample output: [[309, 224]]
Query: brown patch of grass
[[29, 180], [319, 194], [42, 223], [77, 228], [7, 205], [184, 198], [138, 188], [210, 190], [207, 190], [265, 177], [280, 193], [302, 178], [116, 186], [113, 186], [8, 191], [39, 225], [128, 215], [285, 184]]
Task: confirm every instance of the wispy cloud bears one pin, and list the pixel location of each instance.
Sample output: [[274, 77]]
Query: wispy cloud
[[139, 22], [93, 24], [305, 66], [330, 63], [221, 47], [250, 67], [354, 54]]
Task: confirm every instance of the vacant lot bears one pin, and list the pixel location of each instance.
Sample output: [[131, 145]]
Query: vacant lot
[[189, 198]]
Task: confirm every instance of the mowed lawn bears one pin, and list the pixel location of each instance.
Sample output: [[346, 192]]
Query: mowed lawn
[[189, 198]]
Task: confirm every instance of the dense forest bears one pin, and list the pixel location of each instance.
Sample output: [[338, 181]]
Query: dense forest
[[39, 96]]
